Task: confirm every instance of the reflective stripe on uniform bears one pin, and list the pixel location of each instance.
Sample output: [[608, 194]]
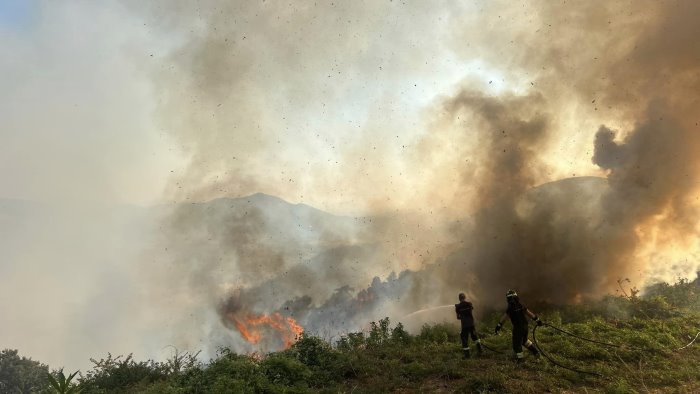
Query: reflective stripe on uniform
[[465, 348], [528, 343], [519, 355]]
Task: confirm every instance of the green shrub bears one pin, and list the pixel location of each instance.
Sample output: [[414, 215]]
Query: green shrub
[[194, 380], [60, 384], [351, 341], [439, 333], [378, 333], [234, 365], [166, 388], [229, 384], [312, 351], [682, 294], [21, 374], [283, 370], [400, 336], [117, 373]]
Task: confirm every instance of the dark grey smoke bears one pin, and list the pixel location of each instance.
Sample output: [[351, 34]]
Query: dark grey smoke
[[564, 247]]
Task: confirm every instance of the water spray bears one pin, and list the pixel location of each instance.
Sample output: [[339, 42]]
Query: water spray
[[427, 309]]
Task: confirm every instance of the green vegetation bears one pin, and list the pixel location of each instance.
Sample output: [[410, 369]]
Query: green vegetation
[[386, 358], [62, 384], [21, 374]]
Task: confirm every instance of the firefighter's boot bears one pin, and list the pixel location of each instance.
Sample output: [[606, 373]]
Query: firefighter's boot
[[466, 352], [519, 357], [531, 347]]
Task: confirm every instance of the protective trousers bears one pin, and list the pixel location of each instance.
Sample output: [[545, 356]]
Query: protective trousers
[[520, 340], [469, 331]]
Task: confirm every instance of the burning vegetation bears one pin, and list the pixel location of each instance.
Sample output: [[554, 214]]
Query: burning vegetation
[[254, 328], [271, 331]]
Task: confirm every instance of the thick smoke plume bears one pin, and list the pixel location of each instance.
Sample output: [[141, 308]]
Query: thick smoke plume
[[260, 96], [554, 244]]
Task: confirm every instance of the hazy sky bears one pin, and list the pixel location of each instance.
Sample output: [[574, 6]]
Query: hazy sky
[[77, 106], [99, 102]]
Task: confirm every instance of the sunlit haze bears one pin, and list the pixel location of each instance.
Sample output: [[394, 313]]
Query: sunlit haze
[[228, 173]]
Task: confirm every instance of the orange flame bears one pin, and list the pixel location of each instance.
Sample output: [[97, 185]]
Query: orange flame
[[251, 327]]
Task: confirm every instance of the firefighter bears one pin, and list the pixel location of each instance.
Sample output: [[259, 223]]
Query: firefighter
[[518, 314], [464, 315]]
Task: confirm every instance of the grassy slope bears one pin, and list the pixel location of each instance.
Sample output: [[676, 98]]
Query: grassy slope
[[389, 359], [431, 366]]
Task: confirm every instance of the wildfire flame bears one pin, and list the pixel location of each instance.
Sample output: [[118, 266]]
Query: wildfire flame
[[252, 327]]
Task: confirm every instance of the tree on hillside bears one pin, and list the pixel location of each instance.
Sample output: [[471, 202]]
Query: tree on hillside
[[21, 375]]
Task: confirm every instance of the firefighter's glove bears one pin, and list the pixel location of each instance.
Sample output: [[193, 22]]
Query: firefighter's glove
[[538, 321], [498, 328]]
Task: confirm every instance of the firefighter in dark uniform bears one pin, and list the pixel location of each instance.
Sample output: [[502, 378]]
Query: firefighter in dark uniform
[[518, 314], [464, 314]]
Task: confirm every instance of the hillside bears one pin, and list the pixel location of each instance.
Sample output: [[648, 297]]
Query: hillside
[[385, 357], [645, 344], [305, 251]]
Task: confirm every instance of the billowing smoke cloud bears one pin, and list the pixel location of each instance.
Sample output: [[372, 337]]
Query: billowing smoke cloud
[[256, 95], [561, 242], [301, 101]]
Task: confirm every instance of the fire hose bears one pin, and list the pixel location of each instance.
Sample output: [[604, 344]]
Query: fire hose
[[691, 342], [534, 337], [588, 339], [491, 349]]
